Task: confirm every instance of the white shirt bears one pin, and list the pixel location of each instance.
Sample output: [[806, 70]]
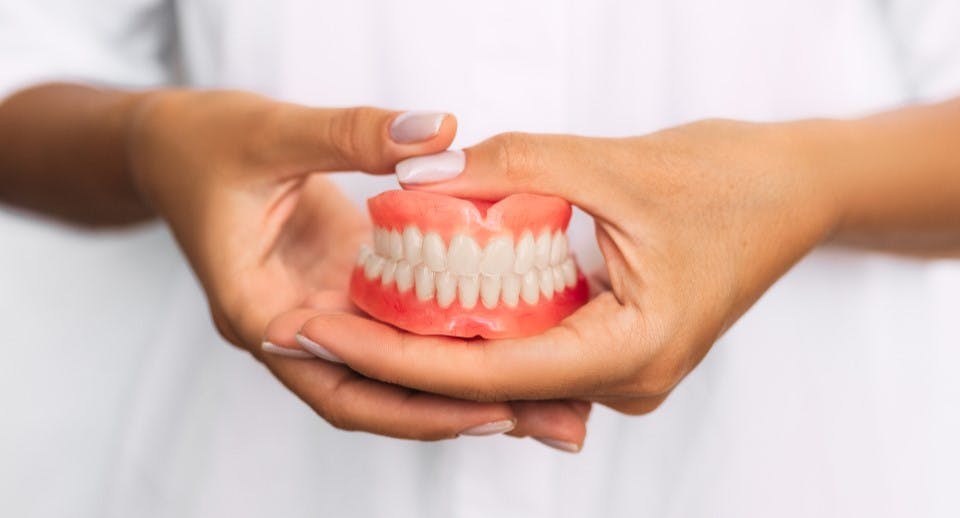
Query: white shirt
[[834, 396]]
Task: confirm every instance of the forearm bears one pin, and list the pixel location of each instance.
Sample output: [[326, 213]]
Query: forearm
[[893, 178], [63, 154]]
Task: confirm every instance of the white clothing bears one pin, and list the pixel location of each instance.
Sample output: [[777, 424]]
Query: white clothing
[[834, 396]]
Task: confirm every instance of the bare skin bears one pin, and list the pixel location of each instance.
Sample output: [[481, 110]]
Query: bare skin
[[695, 224], [238, 178]]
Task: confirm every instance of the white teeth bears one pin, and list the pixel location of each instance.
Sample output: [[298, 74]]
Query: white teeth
[[365, 252], [434, 252], [558, 248], [569, 272], [446, 289], [526, 249], [396, 245], [404, 275], [558, 282], [389, 272], [381, 241], [373, 267], [510, 287], [489, 290], [412, 243], [542, 258], [497, 256], [469, 289], [533, 269], [530, 287], [546, 283], [463, 258], [424, 282]]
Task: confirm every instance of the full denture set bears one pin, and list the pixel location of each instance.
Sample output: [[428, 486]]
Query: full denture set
[[443, 265]]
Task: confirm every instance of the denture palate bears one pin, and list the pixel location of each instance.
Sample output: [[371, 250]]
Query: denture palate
[[502, 270]]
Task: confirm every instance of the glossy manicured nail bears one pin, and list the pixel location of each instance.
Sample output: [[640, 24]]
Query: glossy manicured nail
[[416, 126], [568, 447], [318, 350], [491, 428], [431, 168], [285, 351]]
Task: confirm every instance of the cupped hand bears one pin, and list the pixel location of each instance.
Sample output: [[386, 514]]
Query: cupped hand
[[694, 224], [233, 174]]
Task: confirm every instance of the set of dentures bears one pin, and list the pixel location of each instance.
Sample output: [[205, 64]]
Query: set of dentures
[[461, 270]]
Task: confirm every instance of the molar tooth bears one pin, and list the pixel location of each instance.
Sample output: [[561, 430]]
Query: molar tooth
[[412, 244], [364, 253], [543, 250], [468, 288], [510, 289], [463, 258], [526, 249], [530, 287], [446, 288], [497, 256], [546, 283], [434, 252], [373, 267], [389, 273], [381, 241], [569, 272], [489, 290], [558, 281], [404, 275], [424, 282], [558, 248], [396, 245]]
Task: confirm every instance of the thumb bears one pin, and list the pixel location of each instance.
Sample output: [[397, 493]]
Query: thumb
[[354, 139], [557, 165]]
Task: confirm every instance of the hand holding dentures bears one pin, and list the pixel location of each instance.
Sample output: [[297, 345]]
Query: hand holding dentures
[[684, 218]]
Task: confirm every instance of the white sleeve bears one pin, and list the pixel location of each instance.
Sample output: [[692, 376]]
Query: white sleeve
[[927, 38], [125, 43]]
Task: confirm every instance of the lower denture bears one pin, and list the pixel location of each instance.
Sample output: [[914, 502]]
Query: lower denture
[[443, 265]]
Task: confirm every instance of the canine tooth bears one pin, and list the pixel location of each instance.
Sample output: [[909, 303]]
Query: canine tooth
[[412, 244], [404, 275], [424, 282], [543, 250], [468, 288], [381, 241], [446, 288], [434, 252], [546, 282], [389, 273], [558, 282], [373, 267], [558, 248], [526, 249], [569, 272], [530, 287], [396, 245], [497, 256], [364, 253], [510, 289], [463, 257], [489, 290]]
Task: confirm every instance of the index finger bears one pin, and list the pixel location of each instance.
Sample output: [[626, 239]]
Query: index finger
[[581, 357]]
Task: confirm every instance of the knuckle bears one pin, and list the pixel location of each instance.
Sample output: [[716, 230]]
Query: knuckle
[[338, 417], [514, 154], [348, 134]]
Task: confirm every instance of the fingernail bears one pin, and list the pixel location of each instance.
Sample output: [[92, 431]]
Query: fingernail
[[285, 351], [431, 168], [568, 447], [415, 126], [491, 428], [318, 350]]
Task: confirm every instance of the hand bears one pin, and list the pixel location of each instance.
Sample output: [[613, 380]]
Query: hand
[[694, 223], [232, 174]]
